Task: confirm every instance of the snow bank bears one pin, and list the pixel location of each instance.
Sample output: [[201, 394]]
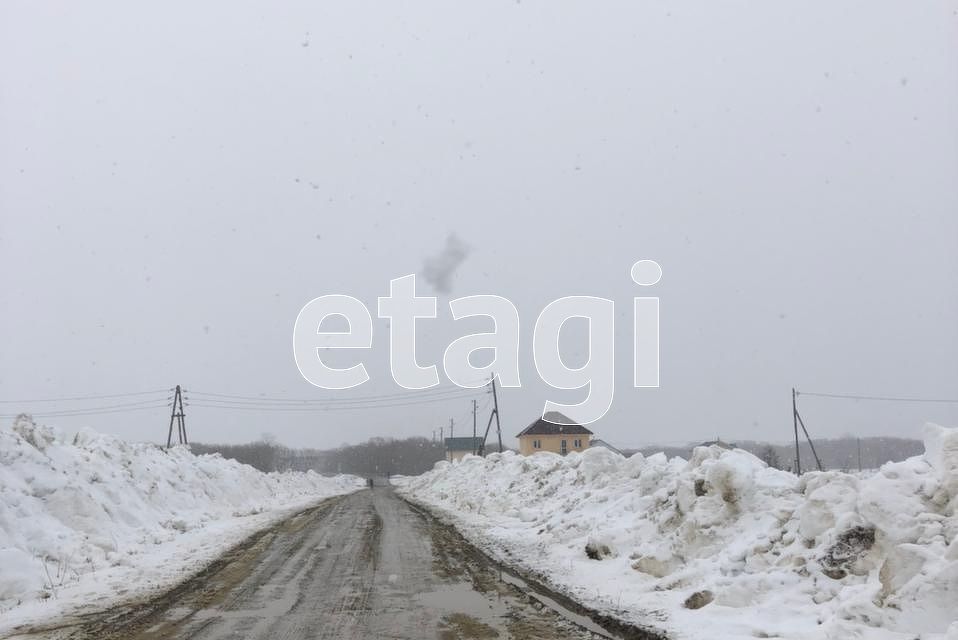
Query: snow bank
[[722, 546], [91, 519]]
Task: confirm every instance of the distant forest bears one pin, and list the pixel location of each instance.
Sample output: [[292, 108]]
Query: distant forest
[[412, 456], [375, 457], [837, 453]]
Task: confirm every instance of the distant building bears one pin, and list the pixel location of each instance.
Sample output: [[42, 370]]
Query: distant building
[[602, 443], [553, 432], [456, 448], [718, 442]]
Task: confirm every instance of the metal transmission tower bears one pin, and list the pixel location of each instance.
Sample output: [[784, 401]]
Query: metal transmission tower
[[179, 416]]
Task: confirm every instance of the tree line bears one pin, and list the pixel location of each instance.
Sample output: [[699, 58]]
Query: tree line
[[413, 456], [835, 453], [376, 456]]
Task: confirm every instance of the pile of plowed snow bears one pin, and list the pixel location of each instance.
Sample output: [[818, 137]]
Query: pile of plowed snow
[[722, 546], [91, 518]]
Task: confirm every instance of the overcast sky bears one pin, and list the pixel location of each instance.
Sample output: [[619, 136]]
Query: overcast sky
[[178, 180]]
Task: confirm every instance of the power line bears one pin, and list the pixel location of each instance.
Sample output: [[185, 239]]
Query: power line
[[100, 397], [257, 399], [87, 412], [848, 396], [210, 400], [208, 404], [468, 414], [320, 402], [454, 390], [109, 406], [328, 404]]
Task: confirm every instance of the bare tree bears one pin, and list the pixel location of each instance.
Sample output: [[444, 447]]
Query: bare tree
[[770, 457]]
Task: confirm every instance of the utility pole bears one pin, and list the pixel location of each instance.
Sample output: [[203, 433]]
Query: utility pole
[[798, 456], [797, 418], [494, 414], [179, 416], [474, 403], [452, 425], [859, 455], [495, 402]]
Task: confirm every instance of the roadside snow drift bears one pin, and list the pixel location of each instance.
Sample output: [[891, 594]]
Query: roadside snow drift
[[722, 546], [91, 519]]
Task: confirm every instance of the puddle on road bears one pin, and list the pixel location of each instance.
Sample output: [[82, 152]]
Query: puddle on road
[[271, 609], [466, 613], [461, 598], [577, 619], [472, 614], [492, 594]]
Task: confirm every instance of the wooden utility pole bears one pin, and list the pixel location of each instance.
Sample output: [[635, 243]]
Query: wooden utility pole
[[495, 402], [179, 416], [797, 418], [494, 414], [474, 405], [452, 425], [798, 456]]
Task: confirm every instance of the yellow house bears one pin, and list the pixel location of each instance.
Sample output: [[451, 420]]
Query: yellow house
[[553, 432]]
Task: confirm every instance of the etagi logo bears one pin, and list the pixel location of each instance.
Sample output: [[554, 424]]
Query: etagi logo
[[403, 307]]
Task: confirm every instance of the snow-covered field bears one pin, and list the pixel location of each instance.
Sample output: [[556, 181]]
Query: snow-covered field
[[90, 520], [722, 546]]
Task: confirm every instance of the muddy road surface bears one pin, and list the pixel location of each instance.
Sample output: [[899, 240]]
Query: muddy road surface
[[363, 566]]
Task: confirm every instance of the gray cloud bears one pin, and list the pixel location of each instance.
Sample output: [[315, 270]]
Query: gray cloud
[[438, 270]]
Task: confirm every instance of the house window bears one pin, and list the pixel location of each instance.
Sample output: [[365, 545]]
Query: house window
[[564, 448], [536, 444], [577, 444]]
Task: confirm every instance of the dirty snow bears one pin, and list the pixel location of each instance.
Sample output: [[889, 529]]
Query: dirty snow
[[722, 546], [89, 520]]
